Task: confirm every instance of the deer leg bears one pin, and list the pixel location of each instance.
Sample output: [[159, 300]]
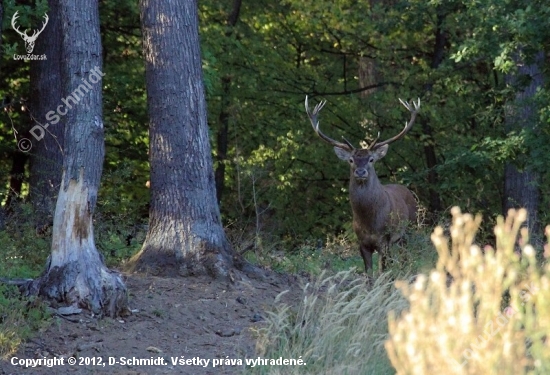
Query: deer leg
[[382, 259], [366, 254], [383, 250]]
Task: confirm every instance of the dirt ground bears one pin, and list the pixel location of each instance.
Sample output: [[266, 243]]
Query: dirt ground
[[187, 318]]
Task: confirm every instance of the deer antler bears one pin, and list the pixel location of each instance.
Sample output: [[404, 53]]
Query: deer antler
[[315, 123], [14, 26], [24, 34], [36, 32], [408, 125]]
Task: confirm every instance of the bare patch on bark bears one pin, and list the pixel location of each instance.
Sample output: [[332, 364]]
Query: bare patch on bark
[[75, 273]]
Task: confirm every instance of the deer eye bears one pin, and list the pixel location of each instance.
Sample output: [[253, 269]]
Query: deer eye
[[371, 159], [350, 160]]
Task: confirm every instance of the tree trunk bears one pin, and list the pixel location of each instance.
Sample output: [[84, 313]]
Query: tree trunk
[[46, 160], [185, 231], [75, 272], [522, 188], [368, 75], [222, 139], [1, 20], [223, 132], [429, 144]]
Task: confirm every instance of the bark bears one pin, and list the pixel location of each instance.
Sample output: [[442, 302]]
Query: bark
[[522, 187], [429, 144], [1, 20], [75, 273], [185, 231], [46, 159], [2, 210], [368, 75], [222, 139]]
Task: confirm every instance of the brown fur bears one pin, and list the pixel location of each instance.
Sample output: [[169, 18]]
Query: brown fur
[[380, 212]]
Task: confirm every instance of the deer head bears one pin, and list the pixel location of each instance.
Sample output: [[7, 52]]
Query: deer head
[[361, 160], [29, 40], [377, 209]]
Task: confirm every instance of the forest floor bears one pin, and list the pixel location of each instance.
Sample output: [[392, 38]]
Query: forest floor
[[193, 317]]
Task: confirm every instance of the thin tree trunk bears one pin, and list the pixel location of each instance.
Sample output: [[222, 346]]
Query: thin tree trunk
[[224, 118], [368, 75], [185, 232], [522, 188], [222, 139], [429, 144], [75, 271], [46, 160]]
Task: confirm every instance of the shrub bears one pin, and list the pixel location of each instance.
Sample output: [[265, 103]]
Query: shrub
[[480, 311]]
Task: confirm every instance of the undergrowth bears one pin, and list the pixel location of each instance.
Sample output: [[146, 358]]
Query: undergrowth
[[338, 328], [481, 310], [476, 311], [24, 249], [20, 318], [412, 254]]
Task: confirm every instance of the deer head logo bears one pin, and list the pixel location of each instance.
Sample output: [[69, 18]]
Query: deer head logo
[[29, 40]]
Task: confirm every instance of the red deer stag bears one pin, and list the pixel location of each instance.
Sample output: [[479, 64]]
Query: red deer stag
[[380, 212]]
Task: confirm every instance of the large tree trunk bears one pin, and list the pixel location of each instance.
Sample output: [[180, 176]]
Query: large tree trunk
[[75, 272], [46, 160], [522, 188], [1, 20], [185, 231]]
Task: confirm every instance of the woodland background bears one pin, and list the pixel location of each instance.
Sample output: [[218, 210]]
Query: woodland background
[[481, 142], [472, 63]]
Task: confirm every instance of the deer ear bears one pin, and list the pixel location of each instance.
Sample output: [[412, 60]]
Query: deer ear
[[380, 152], [342, 154]]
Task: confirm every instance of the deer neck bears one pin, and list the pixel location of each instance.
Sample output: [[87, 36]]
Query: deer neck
[[368, 199]]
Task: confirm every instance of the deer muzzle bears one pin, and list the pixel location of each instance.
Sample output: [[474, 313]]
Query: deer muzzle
[[360, 174]]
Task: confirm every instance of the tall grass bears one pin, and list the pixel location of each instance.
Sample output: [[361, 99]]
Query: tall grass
[[480, 311], [339, 328]]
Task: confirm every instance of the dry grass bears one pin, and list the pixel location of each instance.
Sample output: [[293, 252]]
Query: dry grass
[[339, 328], [480, 311]]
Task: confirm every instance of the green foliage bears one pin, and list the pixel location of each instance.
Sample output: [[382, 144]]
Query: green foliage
[[280, 179], [19, 319], [412, 254], [309, 258], [24, 250], [317, 49]]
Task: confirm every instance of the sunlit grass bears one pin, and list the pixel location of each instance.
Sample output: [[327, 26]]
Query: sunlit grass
[[480, 311], [338, 328]]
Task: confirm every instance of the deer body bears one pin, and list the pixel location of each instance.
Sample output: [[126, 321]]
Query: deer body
[[380, 212], [379, 216]]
